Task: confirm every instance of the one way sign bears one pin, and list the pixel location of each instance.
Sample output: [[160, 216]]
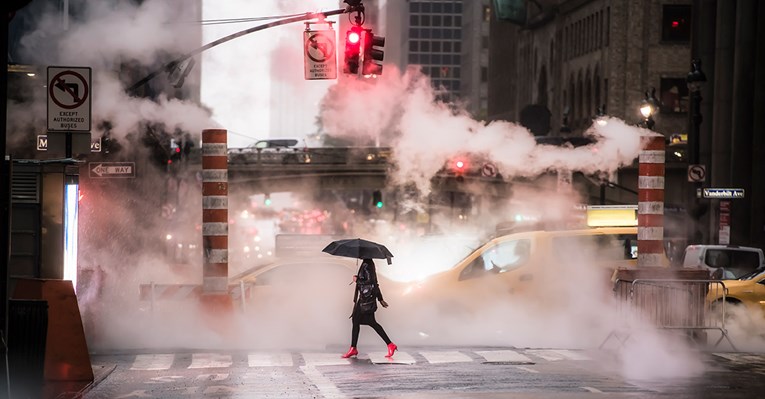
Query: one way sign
[[111, 169]]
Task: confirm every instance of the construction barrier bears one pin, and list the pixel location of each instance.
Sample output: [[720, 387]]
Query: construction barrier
[[670, 304]]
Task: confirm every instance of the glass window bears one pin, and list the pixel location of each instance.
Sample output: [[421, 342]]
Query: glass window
[[414, 33], [425, 20], [437, 20], [447, 47], [425, 47], [436, 47], [673, 95], [484, 74], [731, 264], [414, 6], [413, 59], [414, 20], [448, 8], [502, 257], [438, 7], [426, 33], [457, 34], [436, 59], [484, 42], [676, 23], [458, 7], [457, 47], [425, 59], [447, 34], [426, 8], [447, 21], [457, 21], [456, 72], [414, 46]]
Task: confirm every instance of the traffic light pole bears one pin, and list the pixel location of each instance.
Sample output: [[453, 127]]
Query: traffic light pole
[[307, 16]]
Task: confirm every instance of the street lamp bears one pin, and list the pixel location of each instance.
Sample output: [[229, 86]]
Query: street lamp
[[648, 108], [695, 80]]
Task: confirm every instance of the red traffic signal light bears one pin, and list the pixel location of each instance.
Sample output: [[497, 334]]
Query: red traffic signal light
[[352, 50], [459, 165]]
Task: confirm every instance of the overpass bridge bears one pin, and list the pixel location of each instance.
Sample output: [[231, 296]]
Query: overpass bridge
[[368, 168]]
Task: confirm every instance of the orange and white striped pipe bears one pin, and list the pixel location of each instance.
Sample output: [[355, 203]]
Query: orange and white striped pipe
[[651, 202], [215, 211]]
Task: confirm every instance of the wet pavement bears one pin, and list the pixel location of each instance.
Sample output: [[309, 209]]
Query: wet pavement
[[420, 372]]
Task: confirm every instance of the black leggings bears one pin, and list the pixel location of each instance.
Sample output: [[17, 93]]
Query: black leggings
[[375, 325]]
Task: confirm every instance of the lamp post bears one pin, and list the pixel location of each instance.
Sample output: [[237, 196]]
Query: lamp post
[[695, 80], [648, 108]]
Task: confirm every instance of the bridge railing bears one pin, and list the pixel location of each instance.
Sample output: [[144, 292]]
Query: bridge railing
[[314, 155]]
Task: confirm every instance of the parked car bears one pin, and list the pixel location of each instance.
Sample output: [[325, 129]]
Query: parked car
[[724, 262]]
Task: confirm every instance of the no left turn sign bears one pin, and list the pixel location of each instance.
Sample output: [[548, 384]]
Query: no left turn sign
[[69, 99], [697, 173], [320, 54]]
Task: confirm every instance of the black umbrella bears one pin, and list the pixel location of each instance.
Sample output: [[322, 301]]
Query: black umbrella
[[358, 248]]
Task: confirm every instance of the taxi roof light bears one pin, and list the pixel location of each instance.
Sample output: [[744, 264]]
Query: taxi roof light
[[612, 215]]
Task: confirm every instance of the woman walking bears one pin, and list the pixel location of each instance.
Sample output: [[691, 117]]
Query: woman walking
[[365, 299]]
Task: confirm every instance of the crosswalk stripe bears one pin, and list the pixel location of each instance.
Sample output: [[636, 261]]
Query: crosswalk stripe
[[210, 360], [269, 360], [571, 354], [445, 357], [554, 355], [502, 356], [323, 359], [153, 362], [398, 358]]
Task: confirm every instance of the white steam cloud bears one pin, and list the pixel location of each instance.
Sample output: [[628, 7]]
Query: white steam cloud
[[398, 110]]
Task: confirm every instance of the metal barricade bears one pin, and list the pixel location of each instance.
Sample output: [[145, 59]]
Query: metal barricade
[[690, 306]]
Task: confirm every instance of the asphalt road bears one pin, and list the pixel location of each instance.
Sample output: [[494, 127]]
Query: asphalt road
[[418, 372]]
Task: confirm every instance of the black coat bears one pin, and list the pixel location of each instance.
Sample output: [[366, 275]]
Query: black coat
[[367, 274]]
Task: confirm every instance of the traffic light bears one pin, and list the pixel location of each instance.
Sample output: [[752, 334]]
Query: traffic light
[[373, 54], [459, 166], [377, 198], [352, 50], [267, 200]]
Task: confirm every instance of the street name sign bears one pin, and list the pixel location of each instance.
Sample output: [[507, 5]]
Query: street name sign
[[42, 143], [111, 169], [320, 54], [723, 193], [69, 99]]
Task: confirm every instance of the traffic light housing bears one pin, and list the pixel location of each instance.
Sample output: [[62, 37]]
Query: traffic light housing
[[373, 53], [353, 39], [377, 199]]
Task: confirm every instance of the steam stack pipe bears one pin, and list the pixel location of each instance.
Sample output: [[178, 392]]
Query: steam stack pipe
[[651, 202], [215, 215]]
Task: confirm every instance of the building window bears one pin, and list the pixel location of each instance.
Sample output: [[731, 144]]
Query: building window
[[608, 25], [484, 74], [673, 95], [484, 42], [414, 46], [676, 23]]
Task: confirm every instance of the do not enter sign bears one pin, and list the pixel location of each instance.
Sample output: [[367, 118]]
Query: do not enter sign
[[69, 99]]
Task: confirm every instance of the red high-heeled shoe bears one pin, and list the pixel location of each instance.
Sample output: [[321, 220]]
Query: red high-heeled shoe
[[391, 348], [352, 352]]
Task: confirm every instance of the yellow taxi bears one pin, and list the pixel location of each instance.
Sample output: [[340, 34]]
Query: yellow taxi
[[541, 261], [748, 292]]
